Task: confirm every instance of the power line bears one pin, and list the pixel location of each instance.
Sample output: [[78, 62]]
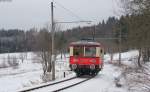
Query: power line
[[75, 22], [69, 11]]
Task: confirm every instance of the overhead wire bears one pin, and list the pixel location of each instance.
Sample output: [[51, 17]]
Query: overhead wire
[[69, 11]]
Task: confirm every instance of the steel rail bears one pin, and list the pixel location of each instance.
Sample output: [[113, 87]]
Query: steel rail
[[42, 86], [71, 85]]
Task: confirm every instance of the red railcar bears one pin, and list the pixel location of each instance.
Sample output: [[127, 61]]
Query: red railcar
[[86, 57]]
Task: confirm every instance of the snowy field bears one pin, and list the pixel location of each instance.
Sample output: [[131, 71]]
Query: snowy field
[[127, 58], [29, 73]]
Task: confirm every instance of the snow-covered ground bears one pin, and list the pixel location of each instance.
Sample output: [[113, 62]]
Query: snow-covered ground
[[29, 72], [127, 58], [103, 82]]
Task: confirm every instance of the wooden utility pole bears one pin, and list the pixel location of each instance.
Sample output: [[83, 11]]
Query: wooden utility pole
[[94, 31], [52, 45], [120, 47]]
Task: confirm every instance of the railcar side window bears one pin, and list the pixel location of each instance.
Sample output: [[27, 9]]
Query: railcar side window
[[90, 51], [78, 51]]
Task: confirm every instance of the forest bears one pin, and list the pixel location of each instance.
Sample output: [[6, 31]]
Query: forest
[[29, 40]]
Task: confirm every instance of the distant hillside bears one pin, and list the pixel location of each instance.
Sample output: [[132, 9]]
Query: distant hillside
[[18, 40]]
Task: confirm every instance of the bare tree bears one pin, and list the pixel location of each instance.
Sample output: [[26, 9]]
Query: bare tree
[[12, 61], [43, 45], [138, 26], [23, 56]]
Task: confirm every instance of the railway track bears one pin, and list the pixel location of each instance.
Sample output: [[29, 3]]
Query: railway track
[[58, 86], [71, 85]]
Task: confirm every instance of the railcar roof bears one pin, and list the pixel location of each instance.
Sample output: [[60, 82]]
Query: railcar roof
[[85, 43]]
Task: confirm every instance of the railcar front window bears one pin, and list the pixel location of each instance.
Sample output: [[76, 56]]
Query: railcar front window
[[90, 51], [78, 51]]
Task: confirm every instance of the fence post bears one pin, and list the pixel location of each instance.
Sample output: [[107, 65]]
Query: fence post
[[64, 74]]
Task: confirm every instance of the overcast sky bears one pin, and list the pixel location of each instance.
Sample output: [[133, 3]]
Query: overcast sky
[[26, 14]]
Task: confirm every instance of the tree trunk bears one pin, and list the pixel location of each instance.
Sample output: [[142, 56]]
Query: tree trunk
[[139, 57], [149, 54]]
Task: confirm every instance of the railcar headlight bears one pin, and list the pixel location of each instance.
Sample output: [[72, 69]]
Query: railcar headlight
[[93, 60], [92, 67], [74, 66]]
